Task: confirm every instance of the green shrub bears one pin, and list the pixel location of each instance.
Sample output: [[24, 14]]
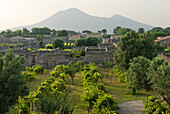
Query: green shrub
[[20, 45], [29, 75], [76, 54], [4, 44], [105, 104], [154, 106], [30, 49], [49, 46], [119, 74], [38, 69], [12, 45]]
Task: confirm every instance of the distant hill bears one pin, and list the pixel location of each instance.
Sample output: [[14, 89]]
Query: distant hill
[[75, 19]]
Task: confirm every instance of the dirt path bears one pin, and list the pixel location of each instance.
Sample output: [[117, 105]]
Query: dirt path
[[131, 107]]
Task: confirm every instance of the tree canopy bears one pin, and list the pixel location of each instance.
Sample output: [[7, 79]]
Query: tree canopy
[[133, 45], [141, 30], [116, 29], [104, 31], [87, 31], [12, 82], [136, 75], [123, 31], [62, 33], [41, 31], [90, 41], [58, 43], [159, 78]]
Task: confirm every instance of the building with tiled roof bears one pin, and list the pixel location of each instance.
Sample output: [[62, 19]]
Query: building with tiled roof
[[164, 41]]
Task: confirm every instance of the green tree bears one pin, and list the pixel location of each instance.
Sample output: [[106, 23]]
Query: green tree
[[136, 75], [107, 65], [116, 29], [62, 33], [80, 65], [141, 30], [90, 96], [54, 32], [80, 42], [59, 72], [2, 32], [104, 31], [92, 41], [123, 31], [132, 45], [105, 104], [25, 31], [87, 31], [159, 78], [154, 106], [17, 33], [12, 83], [158, 34], [157, 29], [58, 43], [8, 33], [41, 31], [71, 70]]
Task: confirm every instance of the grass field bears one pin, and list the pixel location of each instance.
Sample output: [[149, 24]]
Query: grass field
[[116, 89]]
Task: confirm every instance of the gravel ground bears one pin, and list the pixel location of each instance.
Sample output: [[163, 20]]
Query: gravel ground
[[131, 107]]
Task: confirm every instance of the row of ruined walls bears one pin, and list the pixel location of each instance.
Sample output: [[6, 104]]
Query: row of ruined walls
[[49, 59]]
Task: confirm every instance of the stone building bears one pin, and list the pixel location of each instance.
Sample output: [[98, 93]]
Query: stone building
[[164, 41]]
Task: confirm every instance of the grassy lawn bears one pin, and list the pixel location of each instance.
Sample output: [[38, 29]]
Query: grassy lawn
[[116, 89]]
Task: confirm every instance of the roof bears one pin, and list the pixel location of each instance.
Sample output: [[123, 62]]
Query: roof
[[114, 37], [163, 38], [94, 35], [74, 38]]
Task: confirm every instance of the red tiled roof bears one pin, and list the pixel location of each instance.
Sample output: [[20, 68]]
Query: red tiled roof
[[163, 38]]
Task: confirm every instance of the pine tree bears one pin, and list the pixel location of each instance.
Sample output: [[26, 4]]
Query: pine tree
[[12, 83]]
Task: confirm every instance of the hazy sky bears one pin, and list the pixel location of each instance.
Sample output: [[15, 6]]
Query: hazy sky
[[15, 13]]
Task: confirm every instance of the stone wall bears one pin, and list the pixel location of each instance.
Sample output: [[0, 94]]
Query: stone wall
[[49, 59]]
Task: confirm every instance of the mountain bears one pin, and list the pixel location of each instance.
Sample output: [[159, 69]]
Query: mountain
[[75, 19]]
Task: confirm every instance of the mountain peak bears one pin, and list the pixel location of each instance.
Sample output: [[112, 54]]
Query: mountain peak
[[75, 19], [117, 16], [72, 10]]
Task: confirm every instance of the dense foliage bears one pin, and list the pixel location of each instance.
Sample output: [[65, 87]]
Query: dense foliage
[[132, 45], [51, 96], [119, 74], [31, 72], [76, 54], [136, 75], [58, 43], [159, 78], [87, 31], [62, 33], [94, 95], [12, 82], [90, 41], [154, 106]]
